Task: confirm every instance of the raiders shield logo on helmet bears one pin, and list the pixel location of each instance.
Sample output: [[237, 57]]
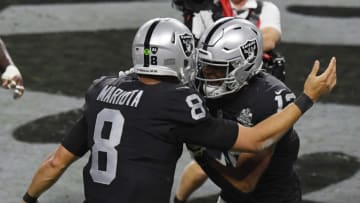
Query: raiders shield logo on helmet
[[187, 43], [249, 50]]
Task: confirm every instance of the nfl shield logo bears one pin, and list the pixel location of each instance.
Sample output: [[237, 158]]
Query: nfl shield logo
[[249, 50], [245, 117], [187, 43]]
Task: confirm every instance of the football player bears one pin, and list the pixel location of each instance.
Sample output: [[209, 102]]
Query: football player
[[230, 76], [135, 127], [10, 75]]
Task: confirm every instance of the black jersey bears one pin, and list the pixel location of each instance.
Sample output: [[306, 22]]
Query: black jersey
[[263, 97], [135, 134]]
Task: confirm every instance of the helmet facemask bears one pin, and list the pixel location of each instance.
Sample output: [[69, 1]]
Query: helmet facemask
[[217, 81]]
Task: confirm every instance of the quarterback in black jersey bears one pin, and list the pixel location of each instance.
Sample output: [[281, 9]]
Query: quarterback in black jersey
[[134, 127]]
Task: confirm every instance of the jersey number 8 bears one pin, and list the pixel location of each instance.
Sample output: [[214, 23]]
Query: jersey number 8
[[106, 145]]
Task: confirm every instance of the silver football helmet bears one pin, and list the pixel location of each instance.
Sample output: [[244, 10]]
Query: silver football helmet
[[234, 46], [163, 47]]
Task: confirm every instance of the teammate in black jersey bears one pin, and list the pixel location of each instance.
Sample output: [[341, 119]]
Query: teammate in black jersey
[[236, 88], [267, 176], [134, 127]]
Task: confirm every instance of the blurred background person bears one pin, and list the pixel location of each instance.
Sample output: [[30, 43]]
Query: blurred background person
[[10, 75]]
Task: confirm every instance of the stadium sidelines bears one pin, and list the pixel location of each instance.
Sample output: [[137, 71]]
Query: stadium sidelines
[[327, 127], [47, 18]]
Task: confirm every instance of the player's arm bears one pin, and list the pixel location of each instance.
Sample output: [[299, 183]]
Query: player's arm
[[5, 58], [73, 145], [10, 74], [243, 178], [49, 171], [230, 178], [270, 130], [271, 37], [250, 168], [270, 26]]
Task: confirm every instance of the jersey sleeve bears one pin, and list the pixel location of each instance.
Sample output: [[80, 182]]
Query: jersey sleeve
[[185, 106], [283, 97], [194, 124], [76, 140], [214, 133], [265, 96], [270, 16]]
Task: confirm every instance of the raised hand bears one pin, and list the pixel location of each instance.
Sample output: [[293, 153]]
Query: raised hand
[[317, 85], [12, 79]]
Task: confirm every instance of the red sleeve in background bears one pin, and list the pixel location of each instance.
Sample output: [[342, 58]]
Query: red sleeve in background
[[226, 8]]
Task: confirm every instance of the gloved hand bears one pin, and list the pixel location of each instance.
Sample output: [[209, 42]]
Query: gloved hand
[[12, 79]]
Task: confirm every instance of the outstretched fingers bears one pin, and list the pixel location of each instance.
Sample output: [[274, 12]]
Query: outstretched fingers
[[332, 79], [329, 70], [329, 75], [315, 69]]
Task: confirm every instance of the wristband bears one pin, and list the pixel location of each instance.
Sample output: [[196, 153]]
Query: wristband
[[303, 102], [29, 199]]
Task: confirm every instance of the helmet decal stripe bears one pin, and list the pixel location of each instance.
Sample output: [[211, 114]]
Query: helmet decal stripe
[[147, 43], [208, 37]]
